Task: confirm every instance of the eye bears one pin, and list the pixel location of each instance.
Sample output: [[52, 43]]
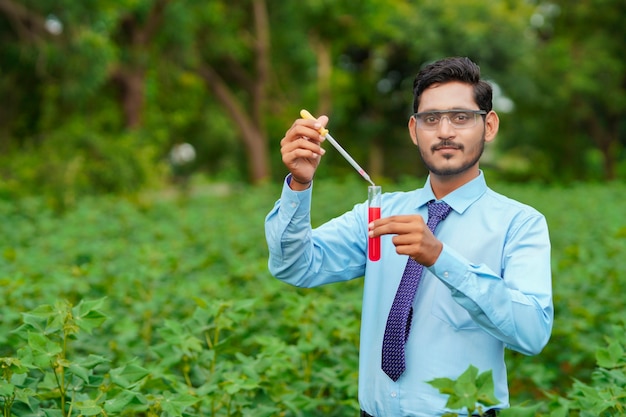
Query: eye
[[461, 117], [430, 118]]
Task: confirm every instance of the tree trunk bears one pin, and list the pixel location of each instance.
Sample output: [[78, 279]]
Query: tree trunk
[[28, 25], [607, 141], [131, 87], [253, 138], [324, 72], [250, 123], [130, 76]]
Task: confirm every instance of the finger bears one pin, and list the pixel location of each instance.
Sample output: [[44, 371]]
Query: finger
[[323, 120], [396, 225], [412, 239], [291, 158], [299, 145], [320, 122], [400, 219], [305, 129], [409, 250]]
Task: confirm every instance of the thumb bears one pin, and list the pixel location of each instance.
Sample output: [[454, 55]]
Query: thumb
[[323, 120]]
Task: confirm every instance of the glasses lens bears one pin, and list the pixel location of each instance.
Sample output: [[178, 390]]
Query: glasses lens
[[458, 119]]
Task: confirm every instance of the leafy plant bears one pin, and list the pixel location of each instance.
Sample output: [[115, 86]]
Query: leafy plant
[[164, 306], [605, 396], [471, 391]]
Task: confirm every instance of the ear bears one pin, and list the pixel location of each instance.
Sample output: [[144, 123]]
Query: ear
[[413, 130], [492, 124]]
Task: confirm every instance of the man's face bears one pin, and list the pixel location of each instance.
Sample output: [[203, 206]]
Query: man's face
[[447, 150]]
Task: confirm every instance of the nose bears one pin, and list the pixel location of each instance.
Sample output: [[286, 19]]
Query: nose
[[445, 130]]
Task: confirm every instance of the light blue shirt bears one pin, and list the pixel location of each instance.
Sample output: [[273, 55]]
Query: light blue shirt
[[489, 289]]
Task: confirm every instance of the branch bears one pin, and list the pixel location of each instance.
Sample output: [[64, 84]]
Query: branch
[[28, 25], [155, 18], [261, 46], [140, 35], [234, 69], [228, 99]]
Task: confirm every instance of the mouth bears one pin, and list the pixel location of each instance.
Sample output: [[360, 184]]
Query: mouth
[[447, 146]]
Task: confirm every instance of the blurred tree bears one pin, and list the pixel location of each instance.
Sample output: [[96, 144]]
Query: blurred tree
[[100, 83], [377, 73], [575, 104], [595, 35], [135, 35], [22, 31], [232, 55]]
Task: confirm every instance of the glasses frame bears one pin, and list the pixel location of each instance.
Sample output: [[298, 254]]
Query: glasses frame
[[446, 114]]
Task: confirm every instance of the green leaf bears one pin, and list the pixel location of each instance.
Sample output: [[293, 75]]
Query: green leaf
[[444, 385], [11, 366], [175, 404], [119, 402], [87, 316], [40, 352], [486, 389], [88, 408], [79, 371], [465, 391], [128, 376], [611, 356], [519, 411], [6, 390], [468, 391], [49, 412], [24, 395], [92, 361], [39, 317]]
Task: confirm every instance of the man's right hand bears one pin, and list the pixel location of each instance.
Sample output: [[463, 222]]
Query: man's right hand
[[301, 150]]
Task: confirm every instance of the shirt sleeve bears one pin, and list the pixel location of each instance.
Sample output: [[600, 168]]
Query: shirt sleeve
[[514, 306], [301, 255]]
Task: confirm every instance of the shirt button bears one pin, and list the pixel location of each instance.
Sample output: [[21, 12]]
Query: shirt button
[[293, 205], [394, 394], [445, 274]]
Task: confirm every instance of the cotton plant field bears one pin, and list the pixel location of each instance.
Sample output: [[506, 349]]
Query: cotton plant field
[[163, 306]]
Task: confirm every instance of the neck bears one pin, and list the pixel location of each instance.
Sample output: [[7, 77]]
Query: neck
[[442, 185]]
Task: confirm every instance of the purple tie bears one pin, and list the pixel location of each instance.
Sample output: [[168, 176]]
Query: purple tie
[[399, 320]]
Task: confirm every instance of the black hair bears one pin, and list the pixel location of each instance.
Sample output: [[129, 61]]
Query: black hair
[[453, 69]]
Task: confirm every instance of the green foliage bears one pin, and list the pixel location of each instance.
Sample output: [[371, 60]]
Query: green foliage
[[560, 64], [80, 163], [471, 391], [605, 396], [164, 306]]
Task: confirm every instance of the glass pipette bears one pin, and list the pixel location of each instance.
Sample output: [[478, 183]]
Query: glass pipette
[[306, 115]]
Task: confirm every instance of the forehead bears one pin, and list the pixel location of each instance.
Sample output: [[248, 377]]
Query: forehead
[[452, 95]]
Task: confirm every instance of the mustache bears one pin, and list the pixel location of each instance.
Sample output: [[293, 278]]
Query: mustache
[[446, 144]]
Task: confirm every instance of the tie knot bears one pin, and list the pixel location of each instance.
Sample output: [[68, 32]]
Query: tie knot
[[438, 209]]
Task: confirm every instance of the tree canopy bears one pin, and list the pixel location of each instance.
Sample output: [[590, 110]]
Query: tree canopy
[[95, 94]]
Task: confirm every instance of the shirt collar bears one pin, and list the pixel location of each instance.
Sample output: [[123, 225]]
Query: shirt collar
[[459, 199]]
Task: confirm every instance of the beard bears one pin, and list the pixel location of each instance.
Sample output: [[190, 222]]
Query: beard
[[453, 170]]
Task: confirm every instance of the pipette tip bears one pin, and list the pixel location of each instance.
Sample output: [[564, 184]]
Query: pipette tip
[[367, 177]]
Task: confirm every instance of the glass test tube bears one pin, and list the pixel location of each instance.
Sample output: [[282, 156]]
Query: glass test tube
[[374, 194]]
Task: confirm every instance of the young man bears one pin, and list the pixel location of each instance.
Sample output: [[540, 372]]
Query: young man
[[482, 274]]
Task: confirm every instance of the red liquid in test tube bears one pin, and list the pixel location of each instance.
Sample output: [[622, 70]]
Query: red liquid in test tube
[[374, 193]]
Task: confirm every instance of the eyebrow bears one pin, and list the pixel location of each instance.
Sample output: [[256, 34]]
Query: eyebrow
[[456, 109]]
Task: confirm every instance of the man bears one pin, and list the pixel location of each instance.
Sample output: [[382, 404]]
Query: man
[[485, 283]]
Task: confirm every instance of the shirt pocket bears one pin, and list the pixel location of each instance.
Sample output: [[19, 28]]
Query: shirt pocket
[[448, 311]]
